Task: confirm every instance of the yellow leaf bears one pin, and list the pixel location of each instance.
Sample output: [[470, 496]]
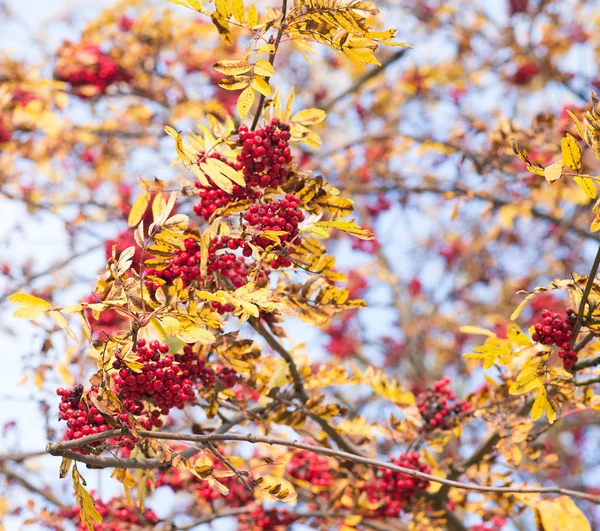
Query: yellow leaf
[[578, 125], [516, 335], [222, 174], [32, 307], [222, 27], [138, 209], [560, 514], [193, 335], [587, 185], [232, 68], [260, 85], [539, 406], [476, 330], [65, 465], [245, 101], [309, 116], [521, 306], [87, 507], [263, 68], [550, 413], [350, 227], [237, 8], [235, 83], [521, 387], [553, 172], [252, 16], [571, 152]]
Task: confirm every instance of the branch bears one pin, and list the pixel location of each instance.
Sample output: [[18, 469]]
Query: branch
[[587, 362], [363, 79], [261, 102], [330, 430], [496, 202], [46, 493], [55, 267], [56, 449], [584, 297]]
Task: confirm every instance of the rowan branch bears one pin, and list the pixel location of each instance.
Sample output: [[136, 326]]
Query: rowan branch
[[58, 450], [261, 102], [364, 78], [330, 430]]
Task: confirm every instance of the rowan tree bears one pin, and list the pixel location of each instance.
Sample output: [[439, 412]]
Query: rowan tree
[[329, 263]]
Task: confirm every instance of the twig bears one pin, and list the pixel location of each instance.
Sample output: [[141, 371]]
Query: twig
[[229, 465]]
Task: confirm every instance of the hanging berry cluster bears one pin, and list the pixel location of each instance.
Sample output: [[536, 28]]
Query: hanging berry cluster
[[265, 154], [87, 69], [437, 408], [311, 468], [557, 330], [81, 420], [117, 515], [395, 489], [283, 216], [185, 264]]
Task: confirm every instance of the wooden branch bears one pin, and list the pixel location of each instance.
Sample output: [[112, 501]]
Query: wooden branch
[[58, 449]]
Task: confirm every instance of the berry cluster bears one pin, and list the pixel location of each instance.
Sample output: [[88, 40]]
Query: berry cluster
[[436, 406], [261, 519], [311, 468], [343, 342], [81, 421], [160, 382], [214, 198], [397, 489], [116, 515], [5, 132], [186, 263], [89, 71], [265, 154], [556, 330], [525, 73], [283, 215]]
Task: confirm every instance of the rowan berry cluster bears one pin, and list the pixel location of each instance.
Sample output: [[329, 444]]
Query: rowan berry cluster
[[116, 514], [261, 519], [265, 154], [312, 468], [437, 408], [557, 330], [81, 420], [5, 132], [87, 69], [185, 264], [161, 382], [396, 489], [284, 216]]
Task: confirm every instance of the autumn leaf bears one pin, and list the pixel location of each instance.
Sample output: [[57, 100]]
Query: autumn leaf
[[31, 307], [245, 101]]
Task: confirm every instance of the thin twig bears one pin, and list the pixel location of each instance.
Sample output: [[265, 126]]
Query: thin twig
[[584, 297]]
